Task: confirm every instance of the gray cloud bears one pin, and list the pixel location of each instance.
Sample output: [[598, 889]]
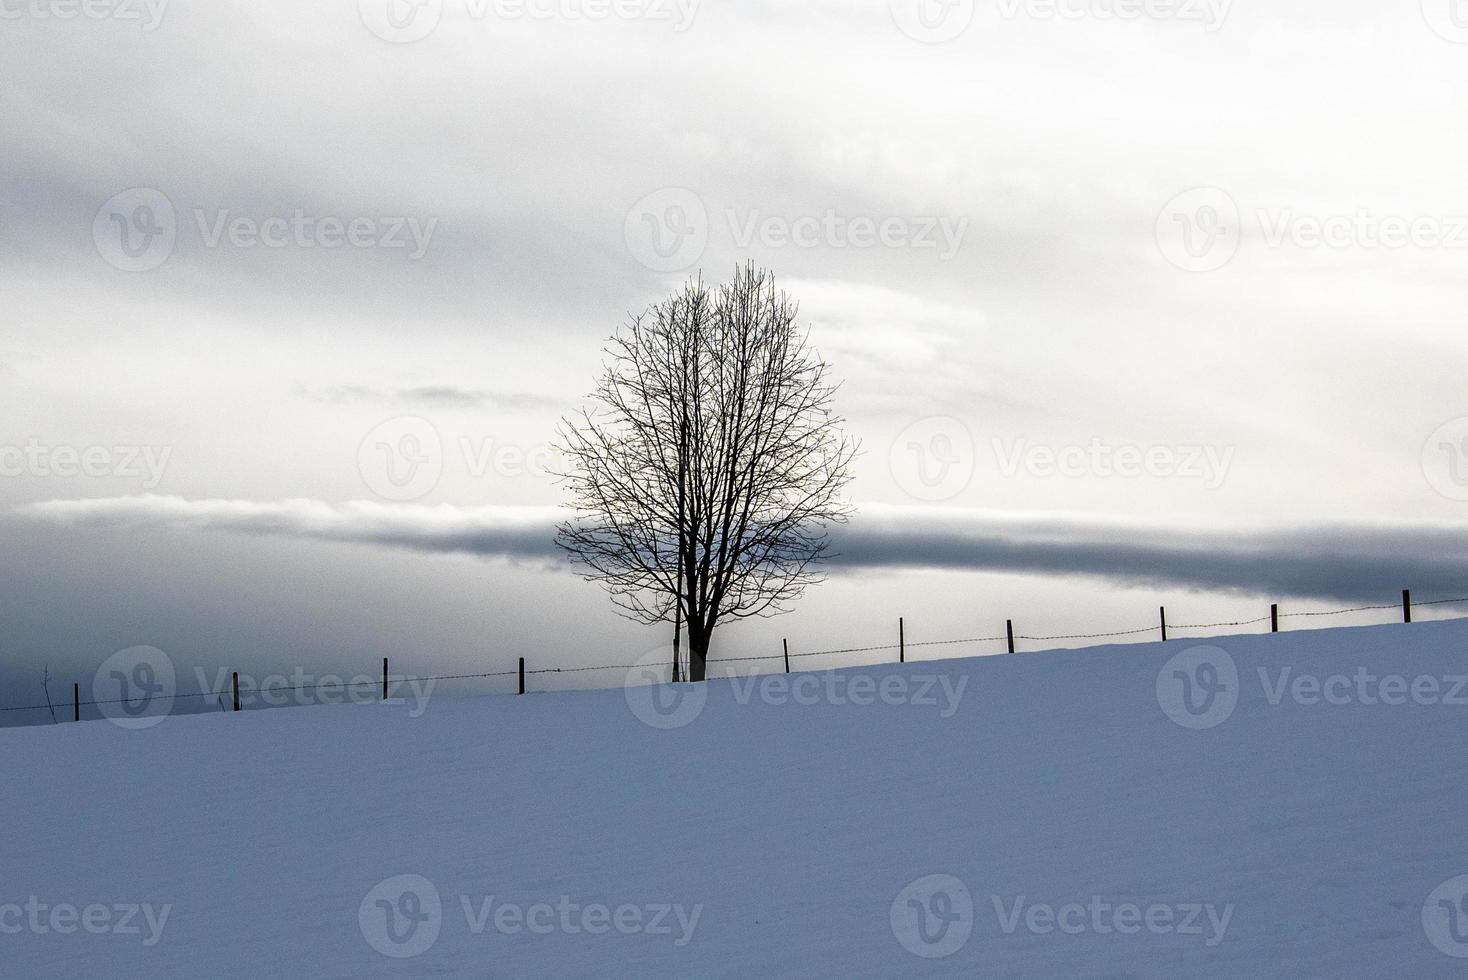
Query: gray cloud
[[1352, 561], [1356, 561], [429, 396], [505, 532]]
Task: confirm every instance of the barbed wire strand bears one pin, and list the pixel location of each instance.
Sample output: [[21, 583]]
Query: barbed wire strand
[[1340, 612], [1088, 636], [1214, 626]]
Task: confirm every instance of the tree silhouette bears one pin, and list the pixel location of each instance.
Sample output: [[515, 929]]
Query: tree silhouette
[[706, 475]]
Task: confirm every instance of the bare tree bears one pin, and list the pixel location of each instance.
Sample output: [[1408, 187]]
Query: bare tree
[[706, 476]]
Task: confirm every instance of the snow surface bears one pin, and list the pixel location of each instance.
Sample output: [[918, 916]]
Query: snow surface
[[1331, 835]]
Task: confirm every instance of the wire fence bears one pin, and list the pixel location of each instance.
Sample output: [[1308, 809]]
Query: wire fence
[[1161, 628], [385, 681]]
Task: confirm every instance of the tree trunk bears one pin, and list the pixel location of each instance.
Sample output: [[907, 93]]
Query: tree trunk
[[677, 640], [698, 652]]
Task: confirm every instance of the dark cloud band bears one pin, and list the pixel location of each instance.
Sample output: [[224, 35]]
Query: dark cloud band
[[1346, 561]]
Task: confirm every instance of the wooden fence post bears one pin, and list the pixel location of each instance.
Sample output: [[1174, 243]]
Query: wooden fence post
[[76, 702], [522, 675], [786, 645], [901, 642], [1009, 630], [1162, 615], [1274, 617], [236, 678], [1406, 605]]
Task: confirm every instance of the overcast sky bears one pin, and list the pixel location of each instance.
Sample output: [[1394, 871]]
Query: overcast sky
[[1133, 303]]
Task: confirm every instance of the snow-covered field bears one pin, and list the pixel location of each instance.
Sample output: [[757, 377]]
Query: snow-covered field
[[1038, 815]]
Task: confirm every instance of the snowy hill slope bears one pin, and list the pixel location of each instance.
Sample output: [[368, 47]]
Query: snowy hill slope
[[1036, 815]]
